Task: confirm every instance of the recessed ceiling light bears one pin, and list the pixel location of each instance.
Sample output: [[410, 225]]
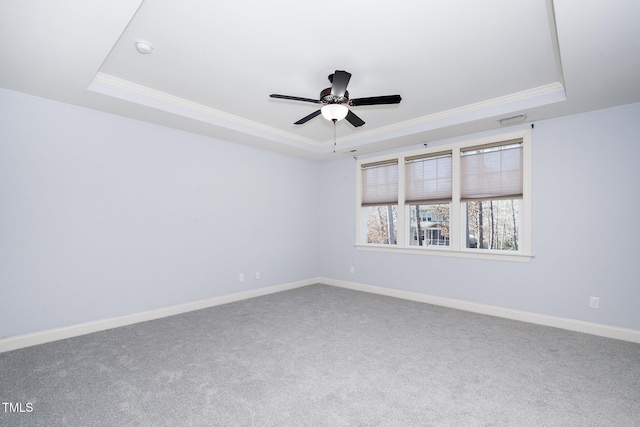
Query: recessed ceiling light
[[144, 47]]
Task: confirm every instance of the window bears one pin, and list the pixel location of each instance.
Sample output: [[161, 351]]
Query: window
[[380, 201], [428, 196], [382, 224], [469, 199], [429, 224], [491, 190], [492, 224]]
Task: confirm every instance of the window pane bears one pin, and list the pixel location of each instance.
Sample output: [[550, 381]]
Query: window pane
[[493, 224], [428, 179], [380, 184], [381, 224], [492, 172], [429, 224]]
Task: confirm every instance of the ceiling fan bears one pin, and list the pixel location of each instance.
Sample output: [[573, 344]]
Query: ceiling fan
[[335, 100]]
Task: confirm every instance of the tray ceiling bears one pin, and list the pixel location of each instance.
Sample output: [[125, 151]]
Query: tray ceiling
[[460, 66]]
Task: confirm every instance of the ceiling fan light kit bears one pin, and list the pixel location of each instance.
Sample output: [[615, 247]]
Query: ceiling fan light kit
[[334, 112], [335, 101]]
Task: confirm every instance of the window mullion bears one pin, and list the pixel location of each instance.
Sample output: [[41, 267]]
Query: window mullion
[[525, 214], [360, 225], [455, 221], [402, 214]]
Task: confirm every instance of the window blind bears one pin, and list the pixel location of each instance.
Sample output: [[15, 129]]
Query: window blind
[[491, 172], [380, 183], [428, 178]]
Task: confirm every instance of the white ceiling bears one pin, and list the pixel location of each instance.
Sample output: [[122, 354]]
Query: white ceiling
[[459, 65]]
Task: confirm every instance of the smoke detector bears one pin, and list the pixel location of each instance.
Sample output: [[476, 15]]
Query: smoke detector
[[144, 47]]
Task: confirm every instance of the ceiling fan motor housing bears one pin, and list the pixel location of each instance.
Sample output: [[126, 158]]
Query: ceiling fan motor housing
[[327, 97]]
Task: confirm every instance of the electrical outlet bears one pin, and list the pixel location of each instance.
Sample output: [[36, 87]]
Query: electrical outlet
[[241, 278], [257, 275], [594, 302], [352, 270]]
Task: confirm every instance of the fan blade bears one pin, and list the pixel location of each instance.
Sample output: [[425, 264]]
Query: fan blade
[[353, 119], [340, 82], [376, 100], [307, 118], [294, 98]]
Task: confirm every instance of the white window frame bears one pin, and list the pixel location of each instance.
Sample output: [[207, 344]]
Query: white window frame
[[456, 246]]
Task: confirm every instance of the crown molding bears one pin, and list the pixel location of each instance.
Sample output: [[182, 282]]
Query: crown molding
[[123, 89], [530, 98]]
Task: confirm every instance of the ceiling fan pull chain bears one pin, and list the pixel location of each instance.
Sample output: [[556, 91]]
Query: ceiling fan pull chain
[[334, 136]]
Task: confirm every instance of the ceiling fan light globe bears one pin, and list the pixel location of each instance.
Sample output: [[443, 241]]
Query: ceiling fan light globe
[[335, 112]]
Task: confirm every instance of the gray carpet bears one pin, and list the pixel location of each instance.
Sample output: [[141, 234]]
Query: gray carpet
[[325, 356]]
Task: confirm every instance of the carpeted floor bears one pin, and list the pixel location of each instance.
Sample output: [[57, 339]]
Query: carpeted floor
[[325, 356]]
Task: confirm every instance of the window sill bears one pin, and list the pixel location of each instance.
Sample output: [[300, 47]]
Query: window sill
[[495, 256]]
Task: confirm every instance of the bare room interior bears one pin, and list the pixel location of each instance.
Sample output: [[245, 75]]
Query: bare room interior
[[347, 213]]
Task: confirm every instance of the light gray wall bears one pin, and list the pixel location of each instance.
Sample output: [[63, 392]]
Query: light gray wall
[[586, 237], [102, 216]]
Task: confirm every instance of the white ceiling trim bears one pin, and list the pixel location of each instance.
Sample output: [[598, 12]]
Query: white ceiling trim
[[496, 107], [123, 89], [126, 90]]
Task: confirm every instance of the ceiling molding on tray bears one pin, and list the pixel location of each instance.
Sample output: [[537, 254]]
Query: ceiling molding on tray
[[530, 98], [123, 89]]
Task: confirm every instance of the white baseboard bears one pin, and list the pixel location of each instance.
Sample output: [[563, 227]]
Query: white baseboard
[[523, 316], [27, 340]]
